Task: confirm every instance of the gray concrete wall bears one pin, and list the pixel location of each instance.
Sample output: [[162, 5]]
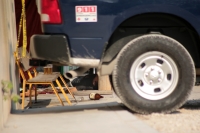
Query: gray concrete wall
[[7, 64]]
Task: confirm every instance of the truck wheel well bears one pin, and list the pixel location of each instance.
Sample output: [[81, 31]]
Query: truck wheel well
[[165, 24]]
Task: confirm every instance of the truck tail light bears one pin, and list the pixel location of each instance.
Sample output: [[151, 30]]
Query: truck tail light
[[50, 12]]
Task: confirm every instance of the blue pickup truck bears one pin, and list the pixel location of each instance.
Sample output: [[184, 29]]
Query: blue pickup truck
[[150, 48]]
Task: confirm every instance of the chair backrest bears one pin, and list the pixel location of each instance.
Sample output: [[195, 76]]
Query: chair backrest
[[24, 72], [19, 65], [24, 60]]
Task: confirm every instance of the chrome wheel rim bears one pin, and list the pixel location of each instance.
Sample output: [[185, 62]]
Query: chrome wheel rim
[[154, 75]]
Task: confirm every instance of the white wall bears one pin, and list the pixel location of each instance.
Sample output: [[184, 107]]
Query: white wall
[[7, 47], [38, 2]]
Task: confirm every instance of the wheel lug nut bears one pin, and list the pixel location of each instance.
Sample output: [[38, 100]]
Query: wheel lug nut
[[146, 74], [159, 80], [151, 82]]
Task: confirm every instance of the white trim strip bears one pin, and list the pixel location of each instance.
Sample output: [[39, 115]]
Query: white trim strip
[[85, 62]]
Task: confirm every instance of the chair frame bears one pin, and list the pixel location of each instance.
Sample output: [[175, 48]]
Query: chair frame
[[31, 82]]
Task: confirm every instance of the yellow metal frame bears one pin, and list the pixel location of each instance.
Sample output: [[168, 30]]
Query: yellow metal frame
[[36, 83]]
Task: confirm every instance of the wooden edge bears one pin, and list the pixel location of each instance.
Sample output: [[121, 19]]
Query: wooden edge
[[87, 92]]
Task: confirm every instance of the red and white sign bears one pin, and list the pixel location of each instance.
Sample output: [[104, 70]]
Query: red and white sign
[[86, 13]]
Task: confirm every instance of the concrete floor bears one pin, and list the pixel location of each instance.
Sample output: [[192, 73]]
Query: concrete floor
[[106, 115]]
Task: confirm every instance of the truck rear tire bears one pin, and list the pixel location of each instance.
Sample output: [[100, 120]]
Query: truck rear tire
[[153, 73]]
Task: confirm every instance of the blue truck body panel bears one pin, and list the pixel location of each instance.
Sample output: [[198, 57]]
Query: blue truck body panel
[[88, 39], [150, 48]]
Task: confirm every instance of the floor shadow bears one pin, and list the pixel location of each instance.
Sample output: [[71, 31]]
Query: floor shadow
[[192, 104], [110, 106], [41, 107], [40, 103]]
